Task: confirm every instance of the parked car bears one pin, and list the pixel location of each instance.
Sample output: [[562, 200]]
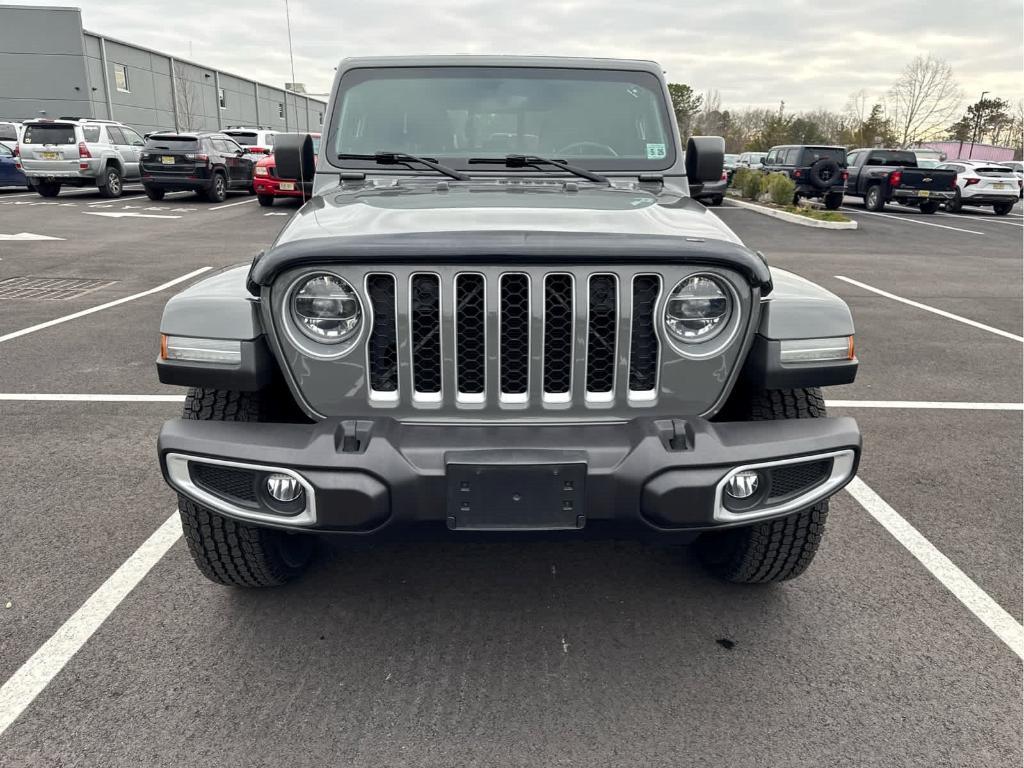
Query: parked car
[[269, 186], [471, 341], [79, 152], [984, 183], [818, 171], [880, 176], [1018, 169], [712, 192], [207, 162], [11, 174], [259, 141], [751, 159], [10, 131], [729, 164]]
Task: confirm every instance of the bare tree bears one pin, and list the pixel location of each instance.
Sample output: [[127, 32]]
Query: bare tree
[[187, 104], [924, 100], [858, 107]]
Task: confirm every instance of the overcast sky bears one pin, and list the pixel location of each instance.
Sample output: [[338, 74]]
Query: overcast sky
[[810, 54]]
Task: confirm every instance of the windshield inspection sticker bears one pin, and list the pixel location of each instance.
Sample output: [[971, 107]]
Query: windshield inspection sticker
[[655, 151]]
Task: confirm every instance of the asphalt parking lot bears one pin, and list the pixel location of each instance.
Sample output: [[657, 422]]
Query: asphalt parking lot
[[532, 654]]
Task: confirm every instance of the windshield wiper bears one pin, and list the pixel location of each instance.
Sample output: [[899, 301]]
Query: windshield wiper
[[402, 158], [533, 161]]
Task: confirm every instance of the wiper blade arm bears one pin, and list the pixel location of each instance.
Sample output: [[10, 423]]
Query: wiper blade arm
[[533, 161], [403, 158]]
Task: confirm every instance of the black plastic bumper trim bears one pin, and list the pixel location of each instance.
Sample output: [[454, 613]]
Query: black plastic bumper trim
[[255, 372], [764, 369]]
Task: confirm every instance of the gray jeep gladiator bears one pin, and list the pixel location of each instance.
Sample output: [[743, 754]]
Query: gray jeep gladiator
[[501, 313]]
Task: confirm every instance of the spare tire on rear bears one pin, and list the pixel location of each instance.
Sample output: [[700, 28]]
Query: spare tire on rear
[[824, 173]]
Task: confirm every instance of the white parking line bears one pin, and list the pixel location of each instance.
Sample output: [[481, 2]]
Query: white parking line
[[231, 205], [991, 614], [918, 404], [927, 308], [912, 221], [108, 305], [992, 219], [42, 666], [89, 398]]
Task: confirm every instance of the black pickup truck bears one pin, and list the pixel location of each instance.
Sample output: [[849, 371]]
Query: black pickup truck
[[881, 176]]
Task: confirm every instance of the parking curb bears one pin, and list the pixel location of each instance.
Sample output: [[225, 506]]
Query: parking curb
[[792, 217]]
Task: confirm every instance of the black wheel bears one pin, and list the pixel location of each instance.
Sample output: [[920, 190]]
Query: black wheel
[[874, 200], [1002, 209], [265, 200], [929, 206], [110, 185], [48, 188], [227, 551], [772, 550], [833, 201], [218, 191], [716, 200], [154, 193], [954, 205]]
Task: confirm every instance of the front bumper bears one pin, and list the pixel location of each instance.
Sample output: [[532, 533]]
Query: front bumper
[[661, 476], [271, 186]]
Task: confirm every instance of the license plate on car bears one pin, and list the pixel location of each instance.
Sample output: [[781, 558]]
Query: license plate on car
[[287, 186], [167, 160], [513, 496], [924, 193], [51, 155], [1000, 186]]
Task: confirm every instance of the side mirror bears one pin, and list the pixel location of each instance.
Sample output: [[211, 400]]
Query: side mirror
[[294, 156], [705, 156], [764, 161]]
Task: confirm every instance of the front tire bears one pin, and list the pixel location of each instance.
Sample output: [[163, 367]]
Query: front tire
[[228, 551], [1002, 209], [929, 206], [110, 185], [218, 191], [874, 200], [772, 550]]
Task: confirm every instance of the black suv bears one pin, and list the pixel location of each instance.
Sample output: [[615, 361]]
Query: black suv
[[208, 163], [819, 172]]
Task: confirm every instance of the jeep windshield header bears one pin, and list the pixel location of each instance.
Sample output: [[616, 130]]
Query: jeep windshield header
[[598, 120]]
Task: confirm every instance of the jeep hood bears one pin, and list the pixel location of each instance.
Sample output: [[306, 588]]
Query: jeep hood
[[493, 220]]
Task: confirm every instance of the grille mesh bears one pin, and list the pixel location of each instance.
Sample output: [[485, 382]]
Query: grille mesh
[[470, 333], [426, 334], [601, 334], [225, 481], [643, 353], [515, 333], [558, 310], [383, 348], [795, 478]]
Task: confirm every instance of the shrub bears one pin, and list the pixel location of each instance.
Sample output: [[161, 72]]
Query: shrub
[[752, 186], [781, 189], [739, 178]]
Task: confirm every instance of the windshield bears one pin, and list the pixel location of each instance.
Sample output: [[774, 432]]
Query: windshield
[[595, 119]]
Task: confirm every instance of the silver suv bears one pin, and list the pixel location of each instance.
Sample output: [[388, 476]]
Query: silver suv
[[80, 152]]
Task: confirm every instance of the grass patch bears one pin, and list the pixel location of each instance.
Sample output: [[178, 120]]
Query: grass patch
[[813, 213]]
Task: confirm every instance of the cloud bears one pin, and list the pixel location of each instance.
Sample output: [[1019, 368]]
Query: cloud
[[810, 54]]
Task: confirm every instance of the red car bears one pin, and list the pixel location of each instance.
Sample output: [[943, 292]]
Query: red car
[[267, 184]]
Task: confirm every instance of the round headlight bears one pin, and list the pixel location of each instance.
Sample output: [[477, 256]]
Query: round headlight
[[326, 309], [697, 309]]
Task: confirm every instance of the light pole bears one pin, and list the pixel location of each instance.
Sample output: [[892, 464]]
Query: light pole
[[291, 60], [977, 124]]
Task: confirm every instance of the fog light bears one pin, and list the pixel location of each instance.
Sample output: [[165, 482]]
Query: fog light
[[743, 485], [283, 488]]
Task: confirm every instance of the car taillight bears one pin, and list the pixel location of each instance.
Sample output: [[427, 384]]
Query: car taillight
[[83, 151], [198, 157], [797, 173], [969, 182], [846, 176], [895, 178], [725, 176]]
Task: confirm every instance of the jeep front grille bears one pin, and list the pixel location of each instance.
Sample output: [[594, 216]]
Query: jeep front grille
[[513, 338]]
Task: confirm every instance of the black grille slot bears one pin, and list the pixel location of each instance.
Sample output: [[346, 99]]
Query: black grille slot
[[229, 482], [383, 345], [603, 312], [558, 309], [793, 479], [470, 333], [425, 319], [515, 333], [643, 350]]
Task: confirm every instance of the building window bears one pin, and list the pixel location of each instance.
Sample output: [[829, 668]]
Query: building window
[[221, 98], [320, 118], [280, 109], [121, 78]]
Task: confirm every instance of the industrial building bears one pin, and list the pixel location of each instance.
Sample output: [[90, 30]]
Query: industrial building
[[51, 67]]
